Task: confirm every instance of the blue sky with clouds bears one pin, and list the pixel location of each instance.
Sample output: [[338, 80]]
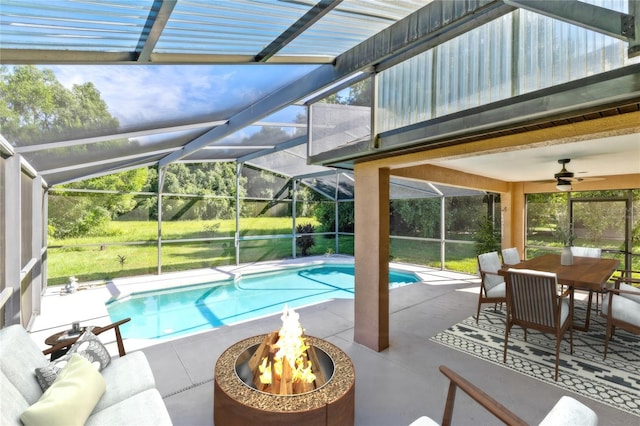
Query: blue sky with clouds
[[146, 93]]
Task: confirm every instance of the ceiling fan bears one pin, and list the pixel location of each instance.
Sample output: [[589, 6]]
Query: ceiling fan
[[564, 178]]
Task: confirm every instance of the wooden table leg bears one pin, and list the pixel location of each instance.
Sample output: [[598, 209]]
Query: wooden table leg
[[588, 317]]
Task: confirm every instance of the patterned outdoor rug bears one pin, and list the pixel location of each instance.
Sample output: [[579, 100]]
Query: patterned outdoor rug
[[614, 381]]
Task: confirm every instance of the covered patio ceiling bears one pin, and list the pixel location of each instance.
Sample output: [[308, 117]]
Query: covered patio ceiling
[[193, 81]]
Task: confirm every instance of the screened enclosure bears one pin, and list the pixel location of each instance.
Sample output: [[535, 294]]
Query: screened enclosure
[[171, 135], [154, 233]]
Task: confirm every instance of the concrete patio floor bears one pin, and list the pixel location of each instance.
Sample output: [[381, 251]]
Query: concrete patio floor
[[393, 387]]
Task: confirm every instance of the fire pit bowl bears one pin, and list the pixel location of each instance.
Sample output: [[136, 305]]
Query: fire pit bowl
[[246, 375], [237, 402]]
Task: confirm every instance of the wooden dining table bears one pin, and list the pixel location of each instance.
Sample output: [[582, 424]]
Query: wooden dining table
[[586, 273]]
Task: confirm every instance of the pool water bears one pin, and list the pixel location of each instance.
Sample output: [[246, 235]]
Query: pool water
[[182, 310]]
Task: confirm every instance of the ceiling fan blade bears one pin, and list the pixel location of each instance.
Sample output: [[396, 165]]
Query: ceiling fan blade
[[584, 179], [572, 180], [565, 175]]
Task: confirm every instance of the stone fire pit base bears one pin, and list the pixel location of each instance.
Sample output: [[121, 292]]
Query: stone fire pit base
[[235, 403]]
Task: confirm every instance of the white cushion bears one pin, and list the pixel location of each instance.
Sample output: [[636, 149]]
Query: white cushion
[[144, 408], [510, 256], [424, 421], [499, 290], [70, 399], [569, 412], [586, 251], [88, 345], [20, 357], [564, 311], [635, 297], [12, 403], [490, 262], [125, 377], [624, 309]]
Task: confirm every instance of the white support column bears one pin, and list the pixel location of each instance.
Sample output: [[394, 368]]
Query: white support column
[[294, 229], [12, 224], [336, 212], [162, 172], [237, 235], [443, 232], [37, 222], [45, 237]]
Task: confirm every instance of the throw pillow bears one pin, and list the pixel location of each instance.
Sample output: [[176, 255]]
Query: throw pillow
[[88, 345], [70, 399]]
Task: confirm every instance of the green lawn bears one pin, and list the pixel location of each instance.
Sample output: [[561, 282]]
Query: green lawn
[[115, 255], [106, 257]]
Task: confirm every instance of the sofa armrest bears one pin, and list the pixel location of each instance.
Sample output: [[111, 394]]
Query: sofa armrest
[[477, 394], [570, 412]]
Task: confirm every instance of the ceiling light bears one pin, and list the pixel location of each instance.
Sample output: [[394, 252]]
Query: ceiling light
[[563, 185]]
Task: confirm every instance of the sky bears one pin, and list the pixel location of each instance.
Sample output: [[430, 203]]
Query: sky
[[143, 93]]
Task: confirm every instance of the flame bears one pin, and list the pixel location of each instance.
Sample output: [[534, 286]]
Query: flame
[[291, 346]]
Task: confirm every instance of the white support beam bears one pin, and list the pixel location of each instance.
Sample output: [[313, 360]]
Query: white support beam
[[5, 146], [157, 24], [5, 295], [304, 22], [105, 171], [270, 150], [435, 23], [119, 135], [111, 160], [315, 80]]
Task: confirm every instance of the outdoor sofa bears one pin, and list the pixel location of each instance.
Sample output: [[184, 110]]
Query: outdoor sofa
[[122, 393]]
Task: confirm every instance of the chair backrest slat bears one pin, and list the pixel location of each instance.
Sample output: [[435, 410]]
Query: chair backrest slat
[[533, 297]]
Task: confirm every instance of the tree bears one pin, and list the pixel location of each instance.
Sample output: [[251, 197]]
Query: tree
[[419, 217], [325, 213], [35, 105], [487, 237], [217, 178], [125, 183], [358, 94]]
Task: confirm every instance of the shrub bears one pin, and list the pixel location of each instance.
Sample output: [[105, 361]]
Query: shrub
[[305, 242], [325, 213], [487, 237]]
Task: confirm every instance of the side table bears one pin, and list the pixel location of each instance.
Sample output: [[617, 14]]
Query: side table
[[61, 337]]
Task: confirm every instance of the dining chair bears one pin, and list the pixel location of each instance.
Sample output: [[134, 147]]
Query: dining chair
[[510, 256], [492, 286], [586, 251], [621, 305], [533, 301], [590, 252]]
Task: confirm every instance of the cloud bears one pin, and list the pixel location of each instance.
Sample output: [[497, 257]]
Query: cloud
[[139, 94]]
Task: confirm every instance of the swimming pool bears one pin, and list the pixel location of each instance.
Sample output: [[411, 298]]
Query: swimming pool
[[182, 310]]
